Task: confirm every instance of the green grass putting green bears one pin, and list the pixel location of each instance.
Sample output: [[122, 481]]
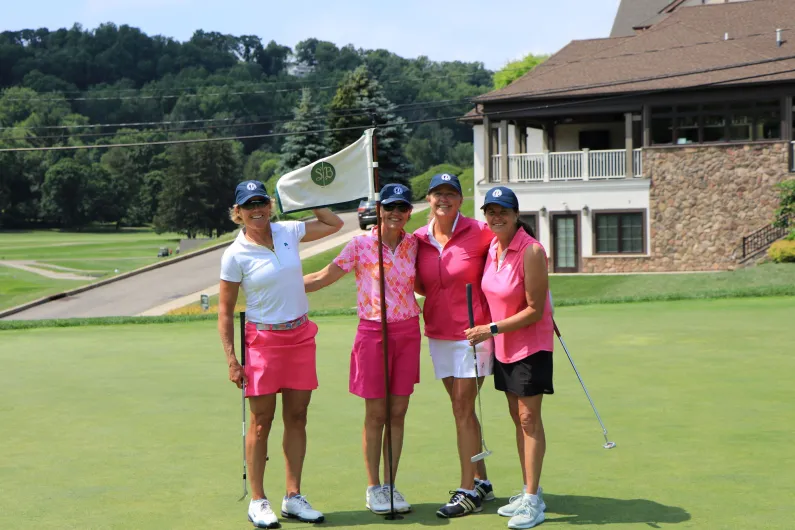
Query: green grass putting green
[[137, 427]]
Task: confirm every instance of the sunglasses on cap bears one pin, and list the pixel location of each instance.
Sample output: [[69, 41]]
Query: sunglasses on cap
[[250, 205], [401, 207]]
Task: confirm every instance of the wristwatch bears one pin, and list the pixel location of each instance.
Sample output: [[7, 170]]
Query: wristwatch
[[493, 328]]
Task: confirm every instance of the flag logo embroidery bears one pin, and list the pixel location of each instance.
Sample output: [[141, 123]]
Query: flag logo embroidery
[[323, 174]]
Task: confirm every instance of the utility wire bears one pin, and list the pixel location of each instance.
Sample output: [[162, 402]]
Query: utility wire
[[511, 111], [288, 117]]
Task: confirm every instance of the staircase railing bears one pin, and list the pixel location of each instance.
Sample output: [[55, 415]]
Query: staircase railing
[[764, 237]]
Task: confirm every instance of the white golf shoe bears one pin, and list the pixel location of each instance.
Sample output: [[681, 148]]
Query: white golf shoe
[[261, 515], [299, 508], [401, 506], [528, 515], [376, 500], [509, 510]]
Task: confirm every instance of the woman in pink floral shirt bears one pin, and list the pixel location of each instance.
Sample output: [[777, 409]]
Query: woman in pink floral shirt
[[367, 361]]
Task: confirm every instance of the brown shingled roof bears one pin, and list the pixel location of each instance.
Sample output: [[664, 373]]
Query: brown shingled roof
[[684, 50]]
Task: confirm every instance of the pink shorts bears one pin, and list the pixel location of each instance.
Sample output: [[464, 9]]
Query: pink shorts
[[367, 359], [277, 360]]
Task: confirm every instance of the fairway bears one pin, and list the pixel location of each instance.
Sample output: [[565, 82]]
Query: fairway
[[136, 426], [94, 255]]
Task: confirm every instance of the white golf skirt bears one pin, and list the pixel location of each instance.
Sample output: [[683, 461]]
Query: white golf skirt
[[454, 358]]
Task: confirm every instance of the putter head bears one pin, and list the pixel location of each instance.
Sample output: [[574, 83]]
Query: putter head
[[480, 456], [609, 445]]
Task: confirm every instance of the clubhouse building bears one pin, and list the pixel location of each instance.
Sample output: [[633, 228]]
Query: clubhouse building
[[657, 149]]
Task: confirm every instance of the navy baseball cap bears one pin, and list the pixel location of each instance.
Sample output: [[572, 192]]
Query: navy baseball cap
[[395, 193], [444, 178], [248, 189], [503, 196]]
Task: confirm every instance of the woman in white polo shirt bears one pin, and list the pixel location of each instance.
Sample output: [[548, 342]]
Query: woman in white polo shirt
[[280, 340]]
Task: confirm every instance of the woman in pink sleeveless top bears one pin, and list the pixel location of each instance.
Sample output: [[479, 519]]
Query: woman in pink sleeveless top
[[516, 287]]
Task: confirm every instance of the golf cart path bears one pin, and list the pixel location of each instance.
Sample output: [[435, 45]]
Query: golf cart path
[[162, 289]]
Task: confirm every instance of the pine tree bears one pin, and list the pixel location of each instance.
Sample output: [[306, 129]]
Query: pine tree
[[360, 102], [301, 149]]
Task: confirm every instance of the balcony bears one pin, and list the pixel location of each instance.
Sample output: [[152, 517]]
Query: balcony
[[566, 166]]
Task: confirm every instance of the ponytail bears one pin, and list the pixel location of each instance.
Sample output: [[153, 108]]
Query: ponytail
[[522, 225]]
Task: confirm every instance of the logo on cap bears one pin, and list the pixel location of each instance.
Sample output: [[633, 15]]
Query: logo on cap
[[446, 177], [323, 174], [251, 186], [398, 190], [496, 193]]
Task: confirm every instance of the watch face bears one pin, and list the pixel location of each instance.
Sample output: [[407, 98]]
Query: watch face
[[493, 329]]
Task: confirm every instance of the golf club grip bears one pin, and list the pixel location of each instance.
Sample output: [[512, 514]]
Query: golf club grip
[[243, 338], [469, 306], [555, 324]]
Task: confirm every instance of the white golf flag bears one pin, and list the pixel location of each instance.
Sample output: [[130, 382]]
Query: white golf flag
[[341, 177]]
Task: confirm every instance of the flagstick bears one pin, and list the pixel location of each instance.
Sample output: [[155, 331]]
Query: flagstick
[[384, 335]]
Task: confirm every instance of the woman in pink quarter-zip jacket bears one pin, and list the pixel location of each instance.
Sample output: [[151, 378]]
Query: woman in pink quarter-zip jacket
[[451, 254]]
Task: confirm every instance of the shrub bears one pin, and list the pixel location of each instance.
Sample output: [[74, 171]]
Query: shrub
[[419, 184], [782, 251]]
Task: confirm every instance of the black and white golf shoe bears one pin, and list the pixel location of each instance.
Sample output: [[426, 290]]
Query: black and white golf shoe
[[485, 490], [460, 504]]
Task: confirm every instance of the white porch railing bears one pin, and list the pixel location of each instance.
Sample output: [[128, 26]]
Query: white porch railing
[[570, 165], [495, 168], [527, 168], [637, 158]]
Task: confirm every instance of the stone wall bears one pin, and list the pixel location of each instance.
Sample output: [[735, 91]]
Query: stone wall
[[703, 200]]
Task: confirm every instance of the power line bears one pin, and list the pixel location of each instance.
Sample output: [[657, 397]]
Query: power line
[[222, 139], [362, 112], [511, 111], [340, 112]]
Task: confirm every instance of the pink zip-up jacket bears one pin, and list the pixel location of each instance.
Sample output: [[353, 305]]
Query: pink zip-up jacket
[[444, 277]]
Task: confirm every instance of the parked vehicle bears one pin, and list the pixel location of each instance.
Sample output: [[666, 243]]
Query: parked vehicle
[[366, 214]]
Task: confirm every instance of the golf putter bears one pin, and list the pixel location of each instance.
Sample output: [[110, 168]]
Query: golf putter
[[243, 393], [483, 454], [608, 444]]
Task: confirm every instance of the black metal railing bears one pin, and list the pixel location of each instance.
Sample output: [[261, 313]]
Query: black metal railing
[[764, 237]]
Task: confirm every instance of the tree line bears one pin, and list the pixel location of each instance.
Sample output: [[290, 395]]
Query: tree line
[[117, 85]]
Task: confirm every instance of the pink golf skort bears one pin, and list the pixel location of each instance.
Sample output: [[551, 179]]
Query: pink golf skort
[[277, 360], [367, 359]]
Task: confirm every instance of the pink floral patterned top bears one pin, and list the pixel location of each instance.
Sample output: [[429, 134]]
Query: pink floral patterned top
[[361, 256]]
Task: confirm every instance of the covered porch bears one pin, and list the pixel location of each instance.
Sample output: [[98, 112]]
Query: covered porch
[[598, 146]]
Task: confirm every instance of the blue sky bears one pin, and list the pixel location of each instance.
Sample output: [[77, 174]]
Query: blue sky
[[465, 30]]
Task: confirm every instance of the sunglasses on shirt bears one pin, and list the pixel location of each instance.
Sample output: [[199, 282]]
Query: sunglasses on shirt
[[401, 207], [250, 205]]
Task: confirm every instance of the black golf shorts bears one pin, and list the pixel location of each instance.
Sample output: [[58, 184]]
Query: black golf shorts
[[528, 377]]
